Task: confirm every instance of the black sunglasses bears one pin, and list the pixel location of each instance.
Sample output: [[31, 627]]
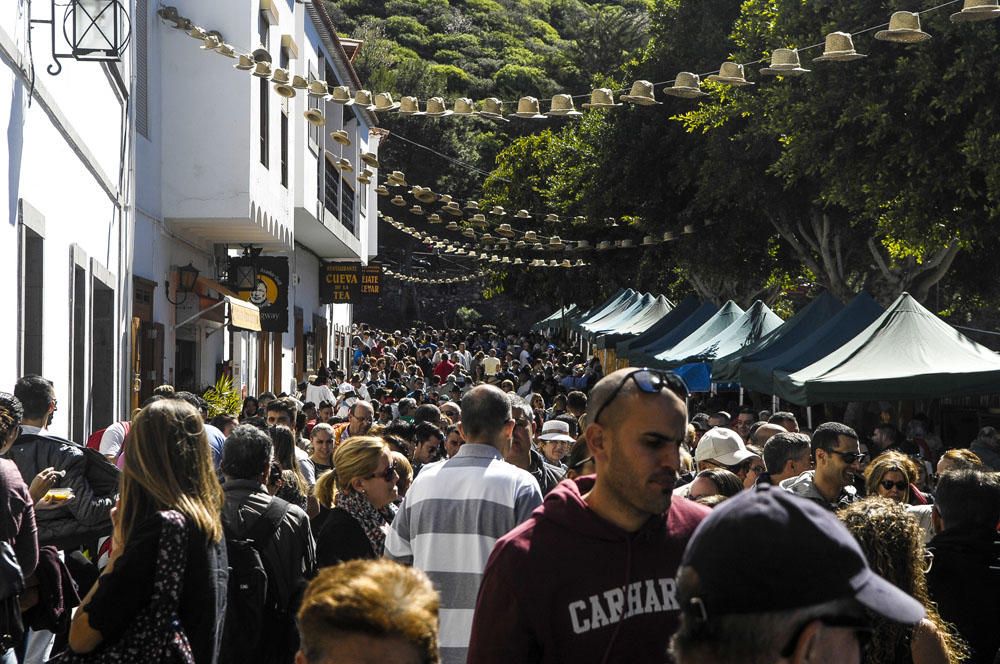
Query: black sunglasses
[[850, 457], [388, 475], [888, 484], [649, 381]]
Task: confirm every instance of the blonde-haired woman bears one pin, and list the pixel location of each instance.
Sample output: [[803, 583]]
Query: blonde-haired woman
[[890, 475], [171, 502], [356, 501]]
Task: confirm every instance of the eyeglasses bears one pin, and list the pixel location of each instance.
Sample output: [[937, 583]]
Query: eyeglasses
[[582, 462], [522, 422], [388, 475], [888, 484], [861, 627], [758, 470], [850, 457], [928, 561], [649, 381]]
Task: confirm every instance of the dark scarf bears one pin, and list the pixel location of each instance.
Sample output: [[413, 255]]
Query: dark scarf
[[371, 520]]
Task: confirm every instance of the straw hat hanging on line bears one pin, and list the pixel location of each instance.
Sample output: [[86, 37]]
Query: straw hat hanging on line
[[527, 108], [436, 108], [583, 245], [977, 10], [531, 236], [397, 178], [417, 210], [182, 23], [478, 220], [562, 107], [668, 236], [262, 70], [317, 89], [904, 28], [627, 244], [434, 218], [551, 218], [689, 229], [472, 206], [453, 209], [226, 50], [197, 32], [505, 230], [601, 98], [423, 194], [299, 83], [409, 106], [522, 214], [398, 201], [340, 136], [555, 243], [384, 103], [444, 198], [463, 106], [784, 62], [340, 94], [641, 94], [370, 159], [363, 98], [452, 226], [365, 176], [211, 42], [839, 48], [343, 165], [382, 190], [730, 73], [167, 13], [603, 245], [493, 109], [315, 117], [648, 241], [245, 63], [498, 211]]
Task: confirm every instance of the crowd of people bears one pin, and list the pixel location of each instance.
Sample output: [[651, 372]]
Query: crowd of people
[[455, 496]]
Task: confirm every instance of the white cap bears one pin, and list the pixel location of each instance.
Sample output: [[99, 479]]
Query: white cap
[[345, 388], [723, 446]]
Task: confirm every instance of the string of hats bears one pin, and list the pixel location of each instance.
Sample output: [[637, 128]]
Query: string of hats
[[444, 281], [469, 252], [903, 27]]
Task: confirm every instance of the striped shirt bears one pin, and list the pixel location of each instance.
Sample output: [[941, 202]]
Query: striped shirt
[[453, 514]]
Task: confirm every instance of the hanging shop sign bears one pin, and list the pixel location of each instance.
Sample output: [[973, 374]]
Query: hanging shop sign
[[270, 292], [344, 283]]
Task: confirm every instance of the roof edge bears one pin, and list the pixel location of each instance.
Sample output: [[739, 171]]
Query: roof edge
[[328, 33]]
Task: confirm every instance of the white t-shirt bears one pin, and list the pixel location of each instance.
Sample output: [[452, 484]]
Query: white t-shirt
[[112, 440], [491, 365], [317, 393]]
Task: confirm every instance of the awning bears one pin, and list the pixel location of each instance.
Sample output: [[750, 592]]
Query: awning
[[243, 315]]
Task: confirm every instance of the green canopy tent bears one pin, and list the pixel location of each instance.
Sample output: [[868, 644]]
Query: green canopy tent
[[667, 323], [711, 326], [602, 310], [757, 372], [638, 324], [755, 322], [907, 353], [726, 368], [681, 329], [620, 318], [556, 319]]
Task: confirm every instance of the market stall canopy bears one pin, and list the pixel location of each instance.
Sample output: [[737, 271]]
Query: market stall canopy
[[666, 323], [758, 374], [556, 319], [624, 309], [677, 326], [639, 323], [755, 322], [907, 353], [602, 309], [684, 335], [726, 368]]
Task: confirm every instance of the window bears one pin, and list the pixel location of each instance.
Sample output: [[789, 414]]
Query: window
[[142, 69], [347, 207], [32, 281], [264, 112], [78, 352], [284, 149], [315, 133], [263, 29], [331, 183], [283, 58]]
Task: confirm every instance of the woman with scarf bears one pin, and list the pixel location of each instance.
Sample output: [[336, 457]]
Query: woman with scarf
[[355, 502]]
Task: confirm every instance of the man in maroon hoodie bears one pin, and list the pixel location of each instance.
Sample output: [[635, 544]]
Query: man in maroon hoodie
[[590, 576]]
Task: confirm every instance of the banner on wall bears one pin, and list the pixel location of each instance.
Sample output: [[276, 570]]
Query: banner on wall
[[345, 283], [270, 293]]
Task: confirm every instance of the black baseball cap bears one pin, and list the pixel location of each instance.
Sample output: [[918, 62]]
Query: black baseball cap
[[802, 552]]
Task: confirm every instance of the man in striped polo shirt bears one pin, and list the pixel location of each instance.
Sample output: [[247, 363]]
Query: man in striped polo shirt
[[455, 511]]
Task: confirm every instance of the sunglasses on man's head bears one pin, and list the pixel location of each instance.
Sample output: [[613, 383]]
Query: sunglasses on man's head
[[649, 381]]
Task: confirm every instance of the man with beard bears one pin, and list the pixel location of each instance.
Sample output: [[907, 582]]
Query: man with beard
[[591, 575], [838, 459]]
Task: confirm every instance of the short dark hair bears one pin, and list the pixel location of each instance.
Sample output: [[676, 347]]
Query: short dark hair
[[222, 419], [283, 405], [426, 430], [747, 410], [782, 416], [485, 411], [826, 435], [576, 400], [400, 428], [324, 404], [784, 447], [891, 431], [427, 413], [35, 394], [728, 482], [199, 404], [968, 498], [246, 453]]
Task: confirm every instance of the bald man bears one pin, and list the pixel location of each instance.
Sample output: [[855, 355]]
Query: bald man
[[553, 587]]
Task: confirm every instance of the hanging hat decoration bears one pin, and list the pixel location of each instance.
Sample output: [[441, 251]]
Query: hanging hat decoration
[[463, 106], [977, 10], [397, 178], [369, 158], [492, 109], [527, 108], [340, 136], [317, 89], [784, 62], [245, 63], [382, 190], [384, 103], [839, 48], [363, 98], [522, 214], [904, 28], [562, 107], [409, 105], [283, 83], [340, 94], [299, 83], [315, 117], [641, 94], [730, 73], [398, 200], [601, 98], [343, 165], [436, 108], [262, 70]]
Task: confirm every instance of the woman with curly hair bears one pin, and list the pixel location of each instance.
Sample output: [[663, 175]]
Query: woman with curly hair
[[893, 543], [890, 475]]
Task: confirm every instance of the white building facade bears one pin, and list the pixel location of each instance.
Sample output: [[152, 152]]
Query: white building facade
[[227, 171], [66, 234]]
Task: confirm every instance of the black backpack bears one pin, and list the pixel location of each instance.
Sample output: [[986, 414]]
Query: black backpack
[[253, 629]]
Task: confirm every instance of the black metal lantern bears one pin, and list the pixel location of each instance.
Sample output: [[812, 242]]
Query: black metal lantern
[[187, 277], [245, 276], [94, 30]]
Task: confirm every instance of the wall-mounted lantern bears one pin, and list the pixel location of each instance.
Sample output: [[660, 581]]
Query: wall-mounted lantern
[[94, 30]]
